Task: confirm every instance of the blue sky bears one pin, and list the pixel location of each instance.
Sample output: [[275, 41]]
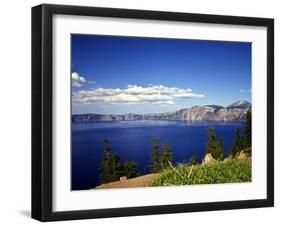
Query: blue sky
[[116, 75]]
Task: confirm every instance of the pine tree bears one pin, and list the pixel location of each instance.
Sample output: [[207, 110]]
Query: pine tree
[[220, 150], [107, 147], [243, 142], [155, 166], [130, 169], [166, 156], [110, 166], [237, 145], [248, 129], [214, 145]]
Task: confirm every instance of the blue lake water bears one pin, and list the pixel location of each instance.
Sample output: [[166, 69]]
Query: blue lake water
[[132, 141]]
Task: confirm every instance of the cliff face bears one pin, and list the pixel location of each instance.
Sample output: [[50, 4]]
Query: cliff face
[[234, 112]]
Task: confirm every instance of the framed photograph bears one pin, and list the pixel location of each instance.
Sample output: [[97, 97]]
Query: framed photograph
[[145, 112]]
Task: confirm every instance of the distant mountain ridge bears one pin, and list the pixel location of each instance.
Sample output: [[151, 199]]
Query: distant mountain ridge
[[234, 112]]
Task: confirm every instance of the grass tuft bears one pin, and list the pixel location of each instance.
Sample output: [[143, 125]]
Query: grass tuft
[[227, 171]]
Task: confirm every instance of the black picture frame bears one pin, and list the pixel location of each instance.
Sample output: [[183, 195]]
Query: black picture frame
[[42, 111]]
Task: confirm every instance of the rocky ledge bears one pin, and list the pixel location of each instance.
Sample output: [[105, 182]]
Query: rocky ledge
[[234, 112]]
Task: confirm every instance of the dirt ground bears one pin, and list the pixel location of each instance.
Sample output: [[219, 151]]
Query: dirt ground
[[142, 181]]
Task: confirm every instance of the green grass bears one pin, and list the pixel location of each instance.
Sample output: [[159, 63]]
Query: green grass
[[228, 171]]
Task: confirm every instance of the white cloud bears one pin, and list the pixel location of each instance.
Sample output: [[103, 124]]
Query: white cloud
[[77, 80], [76, 84], [92, 82], [134, 94], [245, 91]]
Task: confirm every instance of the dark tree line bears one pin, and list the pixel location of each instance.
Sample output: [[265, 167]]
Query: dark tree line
[[214, 145], [112, 168], [160, 159], [243, 142]]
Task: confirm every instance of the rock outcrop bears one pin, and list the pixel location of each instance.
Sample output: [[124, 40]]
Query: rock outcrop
[[208, 159]]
